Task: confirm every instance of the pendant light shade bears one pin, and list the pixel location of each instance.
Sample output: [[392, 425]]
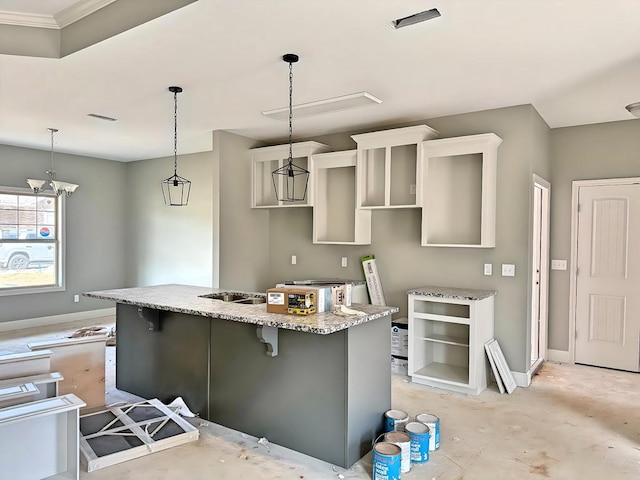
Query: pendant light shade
[[175, 189], [290, 181], [58, 187]]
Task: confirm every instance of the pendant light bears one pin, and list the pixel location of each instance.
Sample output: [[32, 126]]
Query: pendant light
[[290, 181], [57, 186], [175, 189]]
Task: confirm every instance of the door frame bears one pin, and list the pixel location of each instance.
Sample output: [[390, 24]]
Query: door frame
[[573, 276], [543, 305]]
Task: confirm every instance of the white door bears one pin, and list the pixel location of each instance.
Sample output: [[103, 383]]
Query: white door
[[539, 271], [608, 277]]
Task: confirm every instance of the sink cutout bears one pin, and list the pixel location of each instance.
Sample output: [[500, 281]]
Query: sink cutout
[[235, 298]]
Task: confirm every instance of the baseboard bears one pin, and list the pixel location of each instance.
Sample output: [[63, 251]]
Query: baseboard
[[522, 379], [54, 319], [560, 356]]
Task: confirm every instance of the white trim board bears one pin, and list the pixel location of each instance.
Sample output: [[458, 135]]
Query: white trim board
[[560, 356], [55, 319]]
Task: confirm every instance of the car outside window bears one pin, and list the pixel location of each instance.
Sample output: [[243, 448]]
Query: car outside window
[[30, 242]]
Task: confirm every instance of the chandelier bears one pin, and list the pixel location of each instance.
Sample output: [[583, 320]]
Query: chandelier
[[59, 187]]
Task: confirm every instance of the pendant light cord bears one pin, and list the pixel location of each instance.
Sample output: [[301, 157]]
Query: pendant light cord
[[175, 133], [52, 172], [290, 113]]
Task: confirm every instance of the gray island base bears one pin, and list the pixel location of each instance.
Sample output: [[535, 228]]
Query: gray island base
[[323, 393]]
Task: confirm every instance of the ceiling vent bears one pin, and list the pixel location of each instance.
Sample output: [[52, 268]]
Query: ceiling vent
[[328, 105], [416, 18], [101, 117]]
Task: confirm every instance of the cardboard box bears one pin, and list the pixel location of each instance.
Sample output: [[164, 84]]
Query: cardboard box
[[400, 337], [327, 295], [399, 365], [289, 300]]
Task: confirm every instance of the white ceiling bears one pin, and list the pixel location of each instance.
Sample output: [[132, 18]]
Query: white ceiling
[[576, 61]]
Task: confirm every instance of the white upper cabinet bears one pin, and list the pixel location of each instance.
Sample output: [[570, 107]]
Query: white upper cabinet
[[336, 219], [389, 167], [459, 196], [265, 160]]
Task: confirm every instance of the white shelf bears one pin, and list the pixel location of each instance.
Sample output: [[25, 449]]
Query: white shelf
[[459, 200], [448, 339], [264, 160], [442, 318], [444, 372]]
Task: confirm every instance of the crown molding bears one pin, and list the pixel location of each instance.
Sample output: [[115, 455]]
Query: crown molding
[[27, 20], [58, 21], [78, 11]]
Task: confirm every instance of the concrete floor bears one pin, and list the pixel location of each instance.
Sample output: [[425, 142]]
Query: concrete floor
[[573, 422]]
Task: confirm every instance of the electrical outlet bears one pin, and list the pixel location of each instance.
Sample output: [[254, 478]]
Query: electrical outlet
[[76, 298], [508, 270], [294, 259], [558, 264], [412, 189], [344, 261], [488, 269]]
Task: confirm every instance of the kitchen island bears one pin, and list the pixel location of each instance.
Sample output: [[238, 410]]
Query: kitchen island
[[318, 384]]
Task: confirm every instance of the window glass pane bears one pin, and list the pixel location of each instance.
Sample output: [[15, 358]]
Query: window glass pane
[[8, 217], [29, 252]]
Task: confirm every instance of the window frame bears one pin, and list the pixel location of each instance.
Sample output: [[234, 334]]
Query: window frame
[[60, 241]]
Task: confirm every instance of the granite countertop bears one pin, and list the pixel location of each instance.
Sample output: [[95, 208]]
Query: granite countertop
[[451, 292], [187, 299]]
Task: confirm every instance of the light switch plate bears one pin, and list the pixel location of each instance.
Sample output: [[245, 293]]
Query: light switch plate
[[508, 270], [344, 261], [558, 264], [488, 269], [294, 259]]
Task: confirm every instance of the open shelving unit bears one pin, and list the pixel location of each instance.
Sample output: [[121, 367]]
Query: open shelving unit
[[336, 220], [459, 200], [264, 160], [447, 332], [389, 167]]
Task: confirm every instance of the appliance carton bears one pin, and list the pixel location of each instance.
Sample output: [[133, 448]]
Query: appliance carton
[[291, 300], [400, 337]]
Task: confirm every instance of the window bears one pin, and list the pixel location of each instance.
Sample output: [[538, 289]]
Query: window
[[30, 242]]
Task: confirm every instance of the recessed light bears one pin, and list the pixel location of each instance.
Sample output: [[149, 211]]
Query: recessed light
[[328, 105], [101, 117], [416, 18]]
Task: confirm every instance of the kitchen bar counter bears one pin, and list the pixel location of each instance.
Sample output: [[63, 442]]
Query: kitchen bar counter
[[188, 299], [319, 386]]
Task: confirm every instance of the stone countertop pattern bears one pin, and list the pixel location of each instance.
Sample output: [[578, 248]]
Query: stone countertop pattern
[[187, 299], [452, 292]]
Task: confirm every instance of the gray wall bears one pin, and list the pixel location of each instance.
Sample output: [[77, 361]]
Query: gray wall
[[169, 244], [404, 264], [243, 231], [608, 150], [94, 229]]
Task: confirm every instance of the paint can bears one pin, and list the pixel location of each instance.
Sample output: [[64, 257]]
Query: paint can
[[387, 458], [403, 440], [395, 420], [419, 433], [433, 423]]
